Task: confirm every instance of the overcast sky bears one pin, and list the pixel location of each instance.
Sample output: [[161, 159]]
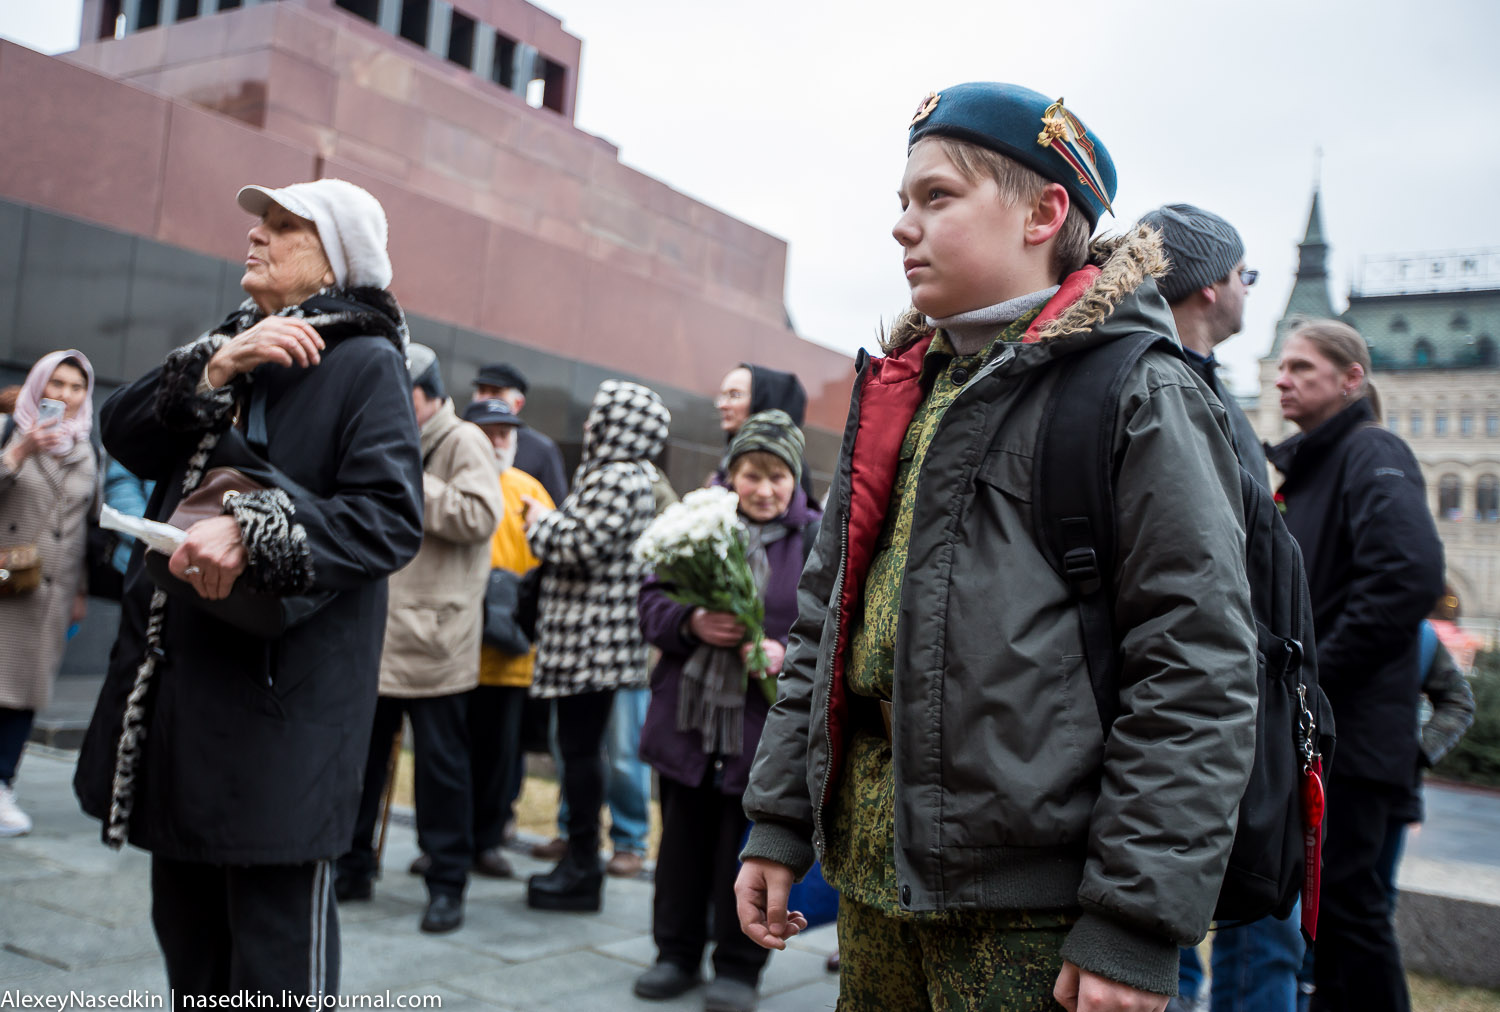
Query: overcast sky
[[792, 115]]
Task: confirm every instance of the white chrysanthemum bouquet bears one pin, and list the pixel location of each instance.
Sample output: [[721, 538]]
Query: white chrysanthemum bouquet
[[698, 548]]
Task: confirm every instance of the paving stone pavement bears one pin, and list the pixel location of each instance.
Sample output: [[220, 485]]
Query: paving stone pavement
[[76, 917]]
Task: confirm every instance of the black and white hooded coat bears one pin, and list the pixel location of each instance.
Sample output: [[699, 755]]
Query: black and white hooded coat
[[588, 636], [237, 749]]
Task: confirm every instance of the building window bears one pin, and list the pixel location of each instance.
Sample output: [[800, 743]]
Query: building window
[[187, 9], [1448, 497], [1440, 424], [1484, 350], [1487, 499], [503, 72], [148, 15], [461, 40], [1459, 322], [1416, 423], [1393, 421], [1398, 325], [1492, 423], [415, 15], [1466, 423], [367, 9], [1422, 352]]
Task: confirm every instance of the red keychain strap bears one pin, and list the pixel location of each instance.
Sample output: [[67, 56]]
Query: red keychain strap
[[1312, 845]]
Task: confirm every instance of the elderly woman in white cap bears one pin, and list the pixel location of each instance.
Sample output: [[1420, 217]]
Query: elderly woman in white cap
[[232, 750]]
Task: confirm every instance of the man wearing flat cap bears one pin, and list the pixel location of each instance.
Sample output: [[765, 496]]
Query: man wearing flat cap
[[536, 454], [1254, 965]]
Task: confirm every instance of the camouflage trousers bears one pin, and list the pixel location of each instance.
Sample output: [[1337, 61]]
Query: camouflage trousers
[[969, 961]]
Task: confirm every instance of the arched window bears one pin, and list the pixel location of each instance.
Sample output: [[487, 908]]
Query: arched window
[[1487, 499], [1484, 350], [1422, 352], [1398, 325], [1459, 322], [1448, 497]]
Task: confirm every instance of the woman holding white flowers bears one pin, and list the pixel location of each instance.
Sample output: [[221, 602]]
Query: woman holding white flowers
[[588, 641], [706, 715]]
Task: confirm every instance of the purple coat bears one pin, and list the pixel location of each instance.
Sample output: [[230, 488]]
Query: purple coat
[[679, 754]]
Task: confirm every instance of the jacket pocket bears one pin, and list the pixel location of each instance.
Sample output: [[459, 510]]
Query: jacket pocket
[[1008, 471]]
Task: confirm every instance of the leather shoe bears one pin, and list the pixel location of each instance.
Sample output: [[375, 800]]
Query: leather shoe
[[665, 980], [725, 995], [552, 850], [420, 865], [625, 864], [444, 913], [493, 864], [347, 888]]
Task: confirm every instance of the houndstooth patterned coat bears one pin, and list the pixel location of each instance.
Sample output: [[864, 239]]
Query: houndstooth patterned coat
[[588, 637]]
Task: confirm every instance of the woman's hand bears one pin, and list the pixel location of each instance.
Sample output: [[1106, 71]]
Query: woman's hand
[[775, 656], [212, 557], [533, 509], [280, 339], [43, 437], [716, 628]]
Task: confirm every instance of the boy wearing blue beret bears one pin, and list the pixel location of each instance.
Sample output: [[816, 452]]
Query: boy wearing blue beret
[[937, 740]]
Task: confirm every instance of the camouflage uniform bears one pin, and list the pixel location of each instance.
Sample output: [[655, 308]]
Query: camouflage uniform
[[975, 959]]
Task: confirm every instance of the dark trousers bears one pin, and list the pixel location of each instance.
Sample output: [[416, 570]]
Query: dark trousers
[[440, 754], [262, 928], [1357, 965], [701, 832], [495, 758], [581, 723], [15, 728]]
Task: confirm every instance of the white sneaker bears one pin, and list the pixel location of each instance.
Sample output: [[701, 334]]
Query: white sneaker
[[13, 821]]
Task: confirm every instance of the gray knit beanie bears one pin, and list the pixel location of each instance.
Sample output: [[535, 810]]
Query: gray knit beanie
[[1203, 248], [773, 432]]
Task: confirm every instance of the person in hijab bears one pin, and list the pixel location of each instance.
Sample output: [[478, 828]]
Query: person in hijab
[[751, 389], [48, 486]]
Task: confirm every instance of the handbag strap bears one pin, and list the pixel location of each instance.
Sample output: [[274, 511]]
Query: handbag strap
[[255, 424]]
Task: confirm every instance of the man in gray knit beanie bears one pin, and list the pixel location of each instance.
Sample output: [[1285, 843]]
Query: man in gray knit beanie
[[1205, 286]]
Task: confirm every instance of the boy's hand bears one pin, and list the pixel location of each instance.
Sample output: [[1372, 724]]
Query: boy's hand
[[1078, 990], [760, 894]]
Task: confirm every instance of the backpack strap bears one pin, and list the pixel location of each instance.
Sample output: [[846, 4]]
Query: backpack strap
[[1073, 506]]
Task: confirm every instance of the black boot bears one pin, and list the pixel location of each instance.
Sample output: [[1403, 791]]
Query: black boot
[[577, 883]]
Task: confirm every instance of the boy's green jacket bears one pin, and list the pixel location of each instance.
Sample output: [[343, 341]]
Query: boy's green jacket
[[1008, 795]]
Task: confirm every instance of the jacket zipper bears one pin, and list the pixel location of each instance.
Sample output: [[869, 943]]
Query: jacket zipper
[[838, 627]]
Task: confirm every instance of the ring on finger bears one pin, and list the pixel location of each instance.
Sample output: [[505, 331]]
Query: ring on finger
[[192, 571]]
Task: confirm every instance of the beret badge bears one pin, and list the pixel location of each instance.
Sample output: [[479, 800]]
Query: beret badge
[[925, 107], [1062, 132]]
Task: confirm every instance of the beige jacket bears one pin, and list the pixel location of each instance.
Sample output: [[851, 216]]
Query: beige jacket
[[436, 610], [46, 503]]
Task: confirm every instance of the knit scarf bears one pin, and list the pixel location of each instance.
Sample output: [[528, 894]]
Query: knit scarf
[[711, 698]]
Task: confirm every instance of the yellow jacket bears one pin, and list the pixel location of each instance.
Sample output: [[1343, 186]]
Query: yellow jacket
[[508, 550]]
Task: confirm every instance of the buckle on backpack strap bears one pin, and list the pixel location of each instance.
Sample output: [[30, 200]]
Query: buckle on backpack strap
[[1292, 656], [1081, 568]]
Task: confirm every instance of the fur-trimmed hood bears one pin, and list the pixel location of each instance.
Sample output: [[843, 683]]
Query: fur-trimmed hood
[[1091, 300]]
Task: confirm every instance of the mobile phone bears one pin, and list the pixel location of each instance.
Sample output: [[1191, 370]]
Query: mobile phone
[[49, 409]]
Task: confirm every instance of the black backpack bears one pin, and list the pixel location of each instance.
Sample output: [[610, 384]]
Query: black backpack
[[1074, 516]]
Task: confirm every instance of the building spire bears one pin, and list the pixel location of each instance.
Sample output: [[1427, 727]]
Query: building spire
[[1309, 296]]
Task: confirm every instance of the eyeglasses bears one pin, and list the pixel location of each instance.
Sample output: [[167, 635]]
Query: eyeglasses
[[729, 397], [1247, 278]]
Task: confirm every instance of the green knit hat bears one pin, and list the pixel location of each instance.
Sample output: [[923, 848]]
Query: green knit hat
[[773, 432]]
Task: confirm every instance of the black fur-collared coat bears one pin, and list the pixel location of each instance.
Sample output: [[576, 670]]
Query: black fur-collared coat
[[233, 749]]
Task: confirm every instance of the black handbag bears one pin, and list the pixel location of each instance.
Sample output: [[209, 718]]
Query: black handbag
[[502, 599], [256, 612]]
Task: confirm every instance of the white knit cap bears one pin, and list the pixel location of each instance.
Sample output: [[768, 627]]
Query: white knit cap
[[351, 226]]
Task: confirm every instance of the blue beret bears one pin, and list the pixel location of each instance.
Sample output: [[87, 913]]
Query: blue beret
[[1027, 126]]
